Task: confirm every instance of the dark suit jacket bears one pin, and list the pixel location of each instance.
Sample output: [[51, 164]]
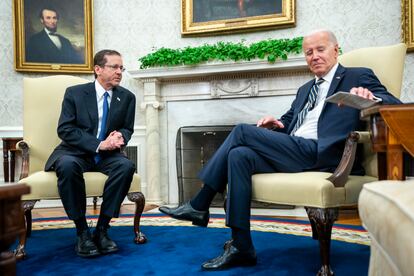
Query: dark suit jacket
[[335, 123], [41, 49], [78, 122]]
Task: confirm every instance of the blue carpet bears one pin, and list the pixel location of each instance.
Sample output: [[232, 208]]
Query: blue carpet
[[180, 250]]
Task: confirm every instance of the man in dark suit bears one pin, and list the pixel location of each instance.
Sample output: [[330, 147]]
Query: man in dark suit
[[310, 136], [47, 46], [96, 120]]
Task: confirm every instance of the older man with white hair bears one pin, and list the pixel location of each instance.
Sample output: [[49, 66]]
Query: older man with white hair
[[309, 136]]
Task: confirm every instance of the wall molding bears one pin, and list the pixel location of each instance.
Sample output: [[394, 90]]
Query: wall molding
[[17, 131], [137, 139], [11, 131]]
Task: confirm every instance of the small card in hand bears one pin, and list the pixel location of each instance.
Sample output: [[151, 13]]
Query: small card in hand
[[352, 100]]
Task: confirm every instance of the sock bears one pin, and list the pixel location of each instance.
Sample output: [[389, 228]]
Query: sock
[[81, 225], [242, 239], [103, 221], [203, 199]]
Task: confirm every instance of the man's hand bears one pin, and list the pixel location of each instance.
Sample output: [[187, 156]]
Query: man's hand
[[269, 122], [362, 92], [113, 141]]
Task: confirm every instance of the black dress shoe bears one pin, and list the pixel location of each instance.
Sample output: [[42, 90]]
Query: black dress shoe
[[103, 242], [187, 212], [85, 246], [231, 257]]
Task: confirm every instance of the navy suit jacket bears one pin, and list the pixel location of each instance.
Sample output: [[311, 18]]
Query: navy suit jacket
[[335, 123], [41, 49], [78, 122]]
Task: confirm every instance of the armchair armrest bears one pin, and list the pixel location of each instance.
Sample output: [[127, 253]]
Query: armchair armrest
[[23, 146], [341, 173]]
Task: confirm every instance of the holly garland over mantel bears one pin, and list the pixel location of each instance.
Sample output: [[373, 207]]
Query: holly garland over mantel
[[272, 49]]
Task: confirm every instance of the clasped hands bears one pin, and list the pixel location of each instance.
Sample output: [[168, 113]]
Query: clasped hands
[[113, 141], [270, 122]]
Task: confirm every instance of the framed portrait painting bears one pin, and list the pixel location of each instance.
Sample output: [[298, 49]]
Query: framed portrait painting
[[408, 23], [208, 17], [53, 36]]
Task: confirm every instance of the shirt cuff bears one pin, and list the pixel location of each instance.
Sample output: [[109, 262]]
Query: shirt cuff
[[97, 149], [377, 99]]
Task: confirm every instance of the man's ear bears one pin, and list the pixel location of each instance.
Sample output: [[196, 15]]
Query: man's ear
[[337, 49], [97, 70]]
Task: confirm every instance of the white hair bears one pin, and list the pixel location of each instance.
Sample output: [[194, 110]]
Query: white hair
[[331, 35]]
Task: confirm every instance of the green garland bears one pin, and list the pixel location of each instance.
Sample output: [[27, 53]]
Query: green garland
[[271, 48]]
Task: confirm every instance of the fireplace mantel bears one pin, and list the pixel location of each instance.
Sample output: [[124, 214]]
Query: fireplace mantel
[[198, 95], [218, 68]]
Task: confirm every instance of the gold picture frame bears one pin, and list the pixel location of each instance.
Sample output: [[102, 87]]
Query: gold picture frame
[[407, 23], [208, 17], [53, 36]]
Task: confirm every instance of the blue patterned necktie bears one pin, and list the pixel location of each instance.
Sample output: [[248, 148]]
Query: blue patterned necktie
[[103, 123], [313, 94]]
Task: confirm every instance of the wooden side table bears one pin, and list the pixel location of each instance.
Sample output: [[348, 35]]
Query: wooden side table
[[9, 145], [11, 223], [392, 128]]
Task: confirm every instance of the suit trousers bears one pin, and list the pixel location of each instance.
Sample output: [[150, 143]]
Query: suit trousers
[[249, 150], [71, 184]]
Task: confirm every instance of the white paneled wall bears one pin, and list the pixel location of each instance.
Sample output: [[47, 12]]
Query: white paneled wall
[[136, 27]]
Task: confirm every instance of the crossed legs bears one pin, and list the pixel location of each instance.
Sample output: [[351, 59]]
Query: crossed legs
[[246, 151]]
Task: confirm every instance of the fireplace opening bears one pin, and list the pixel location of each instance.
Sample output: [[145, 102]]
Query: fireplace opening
[[195, 145]]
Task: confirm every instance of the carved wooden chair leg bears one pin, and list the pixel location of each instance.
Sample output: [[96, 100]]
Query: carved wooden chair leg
[[95, 201], [315, 235], [28, 219], [323, 220], [139, 200], [20, 251]]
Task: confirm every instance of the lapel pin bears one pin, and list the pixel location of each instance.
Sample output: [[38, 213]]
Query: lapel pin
[[338, 78], [118, 99]]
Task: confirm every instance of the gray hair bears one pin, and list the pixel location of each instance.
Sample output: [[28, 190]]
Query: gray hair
[[331, 35]]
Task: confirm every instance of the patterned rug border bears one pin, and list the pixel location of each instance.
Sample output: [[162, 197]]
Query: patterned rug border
[[345, 233]]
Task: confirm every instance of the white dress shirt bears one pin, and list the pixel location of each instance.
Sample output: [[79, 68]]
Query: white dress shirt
[[309, 127]]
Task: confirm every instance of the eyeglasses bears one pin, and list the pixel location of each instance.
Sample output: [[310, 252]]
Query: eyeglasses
[[116, 67]]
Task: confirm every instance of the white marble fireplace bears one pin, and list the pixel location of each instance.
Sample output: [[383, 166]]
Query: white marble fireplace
[[205, 95]]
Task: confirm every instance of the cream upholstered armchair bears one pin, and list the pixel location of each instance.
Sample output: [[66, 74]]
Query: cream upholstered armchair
[[391, 233], [41, 109], [322, 193]]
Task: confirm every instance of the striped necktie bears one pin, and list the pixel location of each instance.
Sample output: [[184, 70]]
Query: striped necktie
[[313, 94], [103, 123]]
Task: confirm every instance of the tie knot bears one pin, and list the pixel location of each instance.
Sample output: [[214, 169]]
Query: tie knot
[[106, 95], [318, 82]]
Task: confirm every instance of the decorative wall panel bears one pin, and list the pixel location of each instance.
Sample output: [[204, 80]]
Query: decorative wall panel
[[136, 27]]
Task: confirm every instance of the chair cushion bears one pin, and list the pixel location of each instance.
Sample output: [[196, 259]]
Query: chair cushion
[[386, 209], [307, 189], [43, 185]]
